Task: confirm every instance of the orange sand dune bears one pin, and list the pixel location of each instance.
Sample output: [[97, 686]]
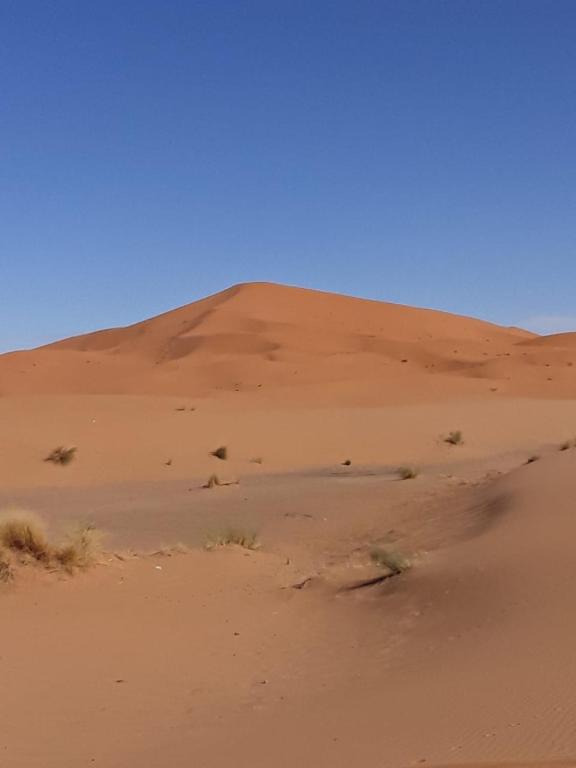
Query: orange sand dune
[[271, 341], [559, 340], [246, 318]]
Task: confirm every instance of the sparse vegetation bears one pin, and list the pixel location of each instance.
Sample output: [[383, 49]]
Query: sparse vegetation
[[407, 473], [347, 463], [454, 438], [212, 482], [220, 453], [24, 534], [61, 455], [23, 540], [247, 540], [80, 549], [567, 445], [532, 459], [393, 561], [257, 460]]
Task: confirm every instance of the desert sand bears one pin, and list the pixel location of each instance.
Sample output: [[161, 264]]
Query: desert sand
[[305, 650]]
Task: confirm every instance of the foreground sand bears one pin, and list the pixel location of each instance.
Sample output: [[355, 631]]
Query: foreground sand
[[174, 655], [214, 658]]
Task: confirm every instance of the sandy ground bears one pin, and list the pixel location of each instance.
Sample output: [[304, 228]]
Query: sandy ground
[[145, 438], [168, 654]]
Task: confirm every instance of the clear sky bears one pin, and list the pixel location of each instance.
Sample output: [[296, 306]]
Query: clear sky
[[155, 151]]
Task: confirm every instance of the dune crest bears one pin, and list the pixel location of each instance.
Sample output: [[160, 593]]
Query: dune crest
[[299, 344]]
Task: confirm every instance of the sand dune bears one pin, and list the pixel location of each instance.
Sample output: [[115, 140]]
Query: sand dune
[[558, 340], [271, 340], [278, 343], [258, 310]]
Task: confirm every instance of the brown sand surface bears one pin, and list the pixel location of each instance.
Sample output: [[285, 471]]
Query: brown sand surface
[[166, 653]]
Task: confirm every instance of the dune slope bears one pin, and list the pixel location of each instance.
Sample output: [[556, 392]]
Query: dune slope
[[284, 341]]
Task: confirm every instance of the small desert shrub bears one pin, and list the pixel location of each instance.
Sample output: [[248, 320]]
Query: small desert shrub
[[532, 459], [454, 438], [220, 453], [257, 460], [393, 561], [61, 455], [407, 473], [247, 540], [80, 549], [347, 463], [24, 534], [214, 481], [567, 445]]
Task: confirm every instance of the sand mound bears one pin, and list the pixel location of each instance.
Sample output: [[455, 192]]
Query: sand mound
[[483, 671], [555, 340], [272, 337], [262, 309]]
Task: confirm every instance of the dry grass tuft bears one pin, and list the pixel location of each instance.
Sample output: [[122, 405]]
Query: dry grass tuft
[[393, 561], [80, 549], [61, 455], [215, 482], [220, 453], [247, 540], [407, 473], [24, 534], [454, 438], [23, 539]]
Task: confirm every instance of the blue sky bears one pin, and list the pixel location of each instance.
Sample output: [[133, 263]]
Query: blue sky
[[418, 151]]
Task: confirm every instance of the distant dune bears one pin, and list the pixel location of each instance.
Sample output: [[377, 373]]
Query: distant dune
[[558, 340], [291, 343]]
